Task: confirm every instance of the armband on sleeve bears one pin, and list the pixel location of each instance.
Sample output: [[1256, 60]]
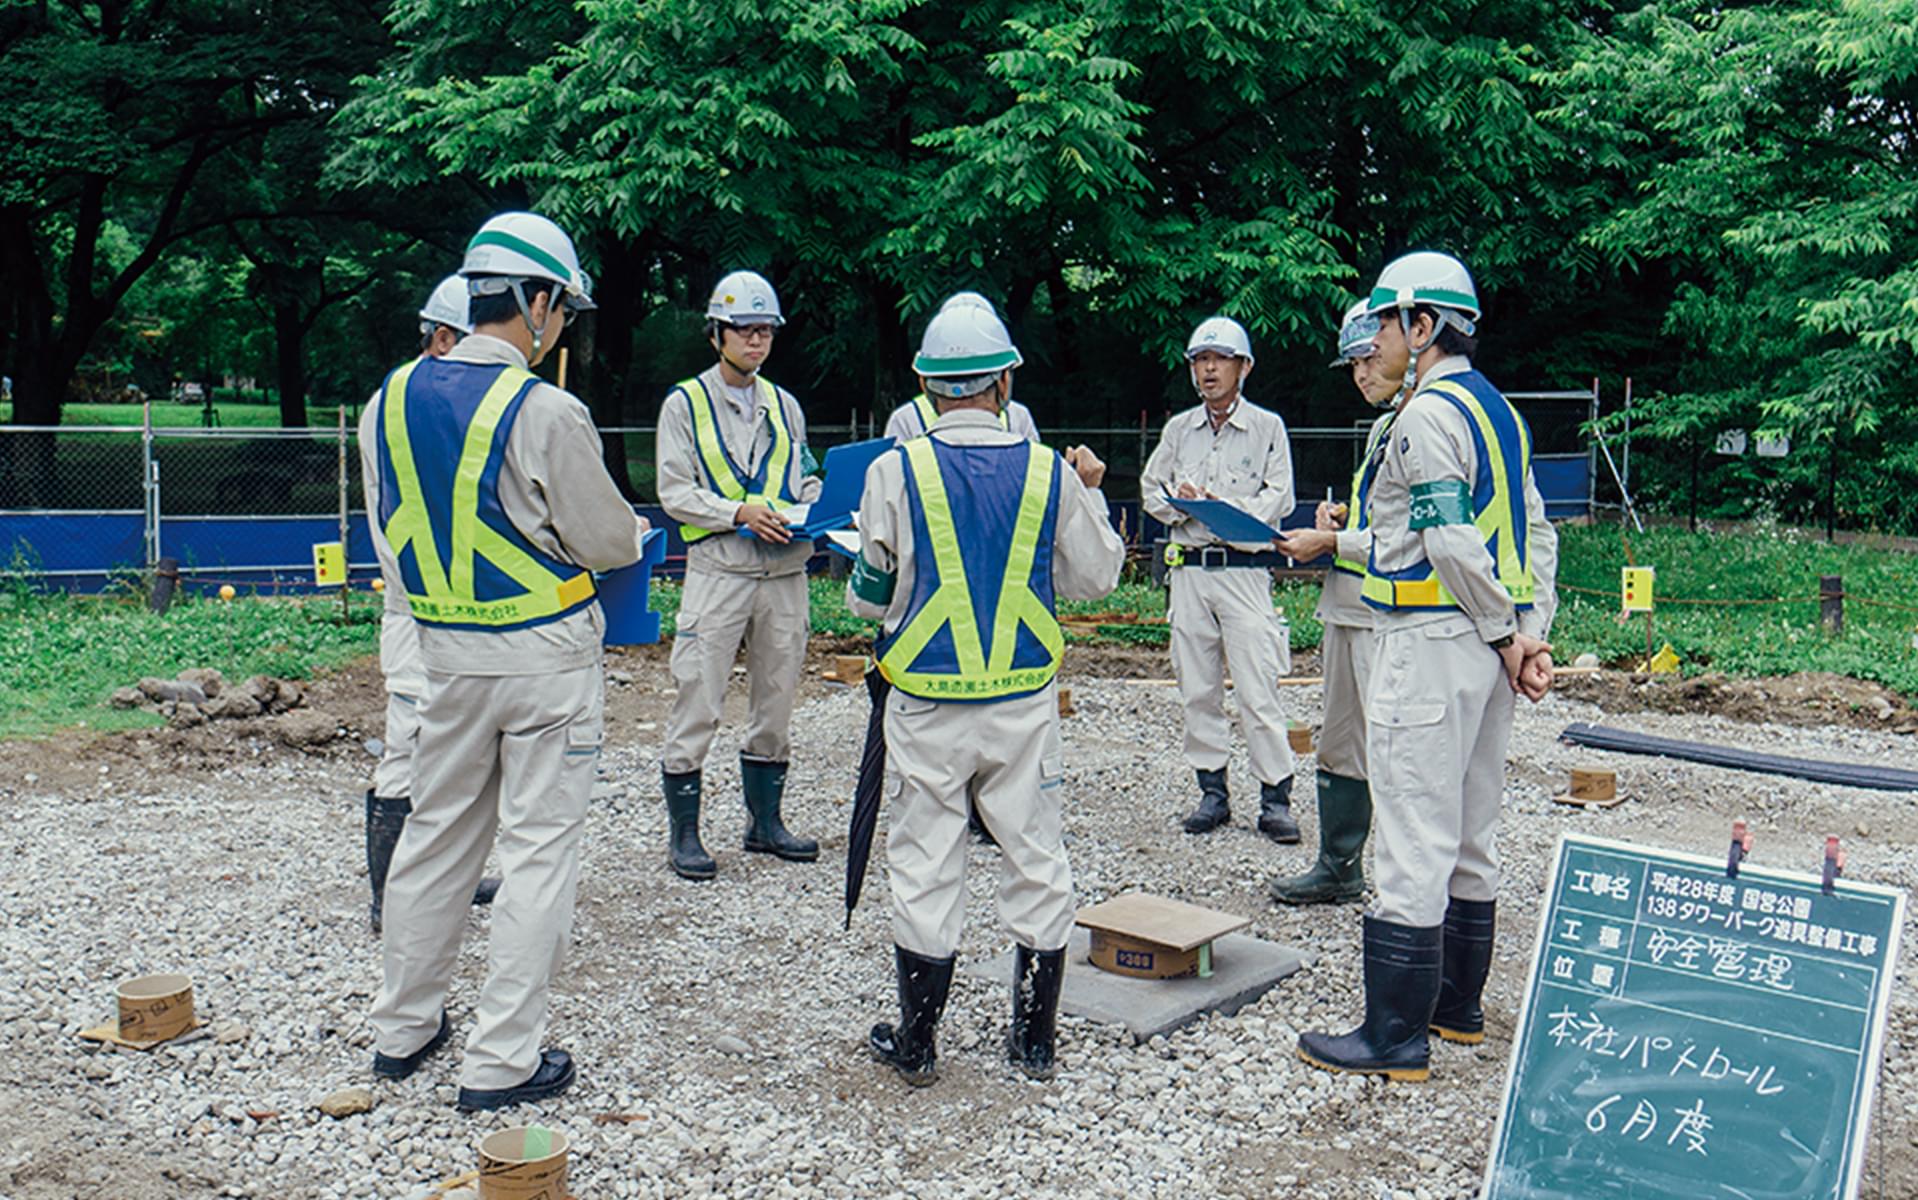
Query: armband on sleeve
[[1446, 502], [871, 584]]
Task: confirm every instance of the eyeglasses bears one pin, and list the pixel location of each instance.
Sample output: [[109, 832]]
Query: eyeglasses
[[754, 333]]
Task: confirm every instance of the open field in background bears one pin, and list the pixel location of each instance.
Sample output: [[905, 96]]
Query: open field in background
[[61, 657], [190, 416]]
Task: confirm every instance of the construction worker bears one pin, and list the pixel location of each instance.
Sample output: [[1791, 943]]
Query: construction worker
[[1461, 573], [913, 418], [1345, 803], [443, 322], [497, 508], [1226, 448], [968, 536], [732, 454]]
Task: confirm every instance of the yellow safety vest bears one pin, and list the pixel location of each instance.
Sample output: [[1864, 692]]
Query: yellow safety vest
[[1504, 447], [1355, 516], [773, 489], [959, 666], [457, 480], [929, 412]]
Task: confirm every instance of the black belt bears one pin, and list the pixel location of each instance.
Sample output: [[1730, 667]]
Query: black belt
[[1224, 556]]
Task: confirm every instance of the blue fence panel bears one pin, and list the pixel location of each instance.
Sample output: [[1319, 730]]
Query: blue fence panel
[[74, 550]]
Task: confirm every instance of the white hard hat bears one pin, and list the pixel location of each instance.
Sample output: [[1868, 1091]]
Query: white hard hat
[[448, 305], [975, 300], [1222, 335], [964, 349], [1430, 278], [744, 298], [523, 245], [1358, 334]]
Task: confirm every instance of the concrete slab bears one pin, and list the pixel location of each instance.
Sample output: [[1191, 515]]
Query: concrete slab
[[1243, 969]]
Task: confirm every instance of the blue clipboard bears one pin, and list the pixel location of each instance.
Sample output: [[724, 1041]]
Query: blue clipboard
[[1229, 522], [839, 495]]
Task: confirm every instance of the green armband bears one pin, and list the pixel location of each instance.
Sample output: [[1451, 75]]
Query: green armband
[[871, 584], [1447, 502], [807, 463]]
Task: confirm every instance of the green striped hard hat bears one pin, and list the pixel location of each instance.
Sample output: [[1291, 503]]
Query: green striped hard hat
[[964, 349], [1426, 277], [524, 245]]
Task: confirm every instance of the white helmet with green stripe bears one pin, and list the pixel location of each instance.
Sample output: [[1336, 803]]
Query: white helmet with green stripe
[[523, 245], [964, 351], [1426, 279], [975, 300]]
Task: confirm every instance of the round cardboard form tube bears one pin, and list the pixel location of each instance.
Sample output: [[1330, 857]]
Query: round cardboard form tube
[[1594, 783], [154, 1008], [1299, 737], [526, 1162]]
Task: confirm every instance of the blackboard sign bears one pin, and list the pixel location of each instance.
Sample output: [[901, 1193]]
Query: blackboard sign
[[1685, 1033]]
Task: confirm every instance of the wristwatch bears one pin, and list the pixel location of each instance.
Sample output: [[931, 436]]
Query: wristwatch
[[1501, 643]]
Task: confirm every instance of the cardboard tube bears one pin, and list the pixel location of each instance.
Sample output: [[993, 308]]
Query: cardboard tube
[[1299, 737], [526, 1162], [154, 1008]]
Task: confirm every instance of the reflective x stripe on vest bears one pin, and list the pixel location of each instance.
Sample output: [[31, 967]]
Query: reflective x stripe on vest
[[1504, 449], [929, 412], [983, 520], [1355, 514], [442, 440], [771, 485]]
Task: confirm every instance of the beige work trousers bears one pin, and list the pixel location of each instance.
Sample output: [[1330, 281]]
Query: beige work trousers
[[393, 778], [1224, 616], [508, 757], [716, 612], [1439, 719], [1346, 651], [1009, 751]]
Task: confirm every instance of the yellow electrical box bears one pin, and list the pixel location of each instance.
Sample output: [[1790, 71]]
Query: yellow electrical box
[[1637, 587], [329, 564]]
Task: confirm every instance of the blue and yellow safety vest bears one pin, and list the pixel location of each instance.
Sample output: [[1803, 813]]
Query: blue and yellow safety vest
[[929, 412], [1355, 514], [442, 440], [980, 622], [771, 485], [1503, 446]]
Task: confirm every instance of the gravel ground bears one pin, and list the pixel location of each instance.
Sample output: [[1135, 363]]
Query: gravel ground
[[724, 1023]]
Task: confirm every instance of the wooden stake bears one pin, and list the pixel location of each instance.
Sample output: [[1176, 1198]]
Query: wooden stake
[[562, 368]]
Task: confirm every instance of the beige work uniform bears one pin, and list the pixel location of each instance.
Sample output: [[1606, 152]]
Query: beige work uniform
[[1224, 615], [1439, 710], [1006, 751], [906, 423], [509, 734], [1346, 650], [401, 667], [736, 588]]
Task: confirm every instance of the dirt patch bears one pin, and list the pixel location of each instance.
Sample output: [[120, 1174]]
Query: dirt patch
[[1811, 699]]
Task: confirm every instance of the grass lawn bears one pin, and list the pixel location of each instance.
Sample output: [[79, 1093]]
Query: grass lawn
[[232, 416], [61, 657]]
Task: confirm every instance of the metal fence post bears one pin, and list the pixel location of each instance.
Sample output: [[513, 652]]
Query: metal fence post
[[150, 485]]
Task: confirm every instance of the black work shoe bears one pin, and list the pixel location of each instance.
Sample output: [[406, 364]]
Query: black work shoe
[[1036, 977], [1345, 819], [1275, 812], [385, 818], [385, 1066], [487, 889], [1401, 986], [765, 786], [1213, 810], [908, 1046], [689, 859], [1469, 926], [553, 1075]]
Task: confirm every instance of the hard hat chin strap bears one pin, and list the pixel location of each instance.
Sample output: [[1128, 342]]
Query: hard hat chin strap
[[526, 314], [1410, 383]]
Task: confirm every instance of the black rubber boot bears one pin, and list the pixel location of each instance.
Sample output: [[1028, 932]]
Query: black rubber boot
[[1401, 986], [908, 1046], [1213, 810], [689, 858], [384, 819], [1036, 976], [1275, 812], [1468, 927], [1345, 819], [765, 785], [485, 890]]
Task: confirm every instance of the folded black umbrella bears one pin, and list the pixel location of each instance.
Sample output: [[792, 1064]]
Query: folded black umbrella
[[865, 800]]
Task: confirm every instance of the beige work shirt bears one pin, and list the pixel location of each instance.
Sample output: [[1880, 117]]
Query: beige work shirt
[[1087, 553], [555, 490], [746, 428], [1248, 462], [1431, 441], [905, 422]]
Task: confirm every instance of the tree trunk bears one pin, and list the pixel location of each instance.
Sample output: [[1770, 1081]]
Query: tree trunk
[[289, 367], [609, 349]]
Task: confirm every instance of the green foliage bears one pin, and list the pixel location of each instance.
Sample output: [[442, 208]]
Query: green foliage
[[61, 657], [1740, 638]]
